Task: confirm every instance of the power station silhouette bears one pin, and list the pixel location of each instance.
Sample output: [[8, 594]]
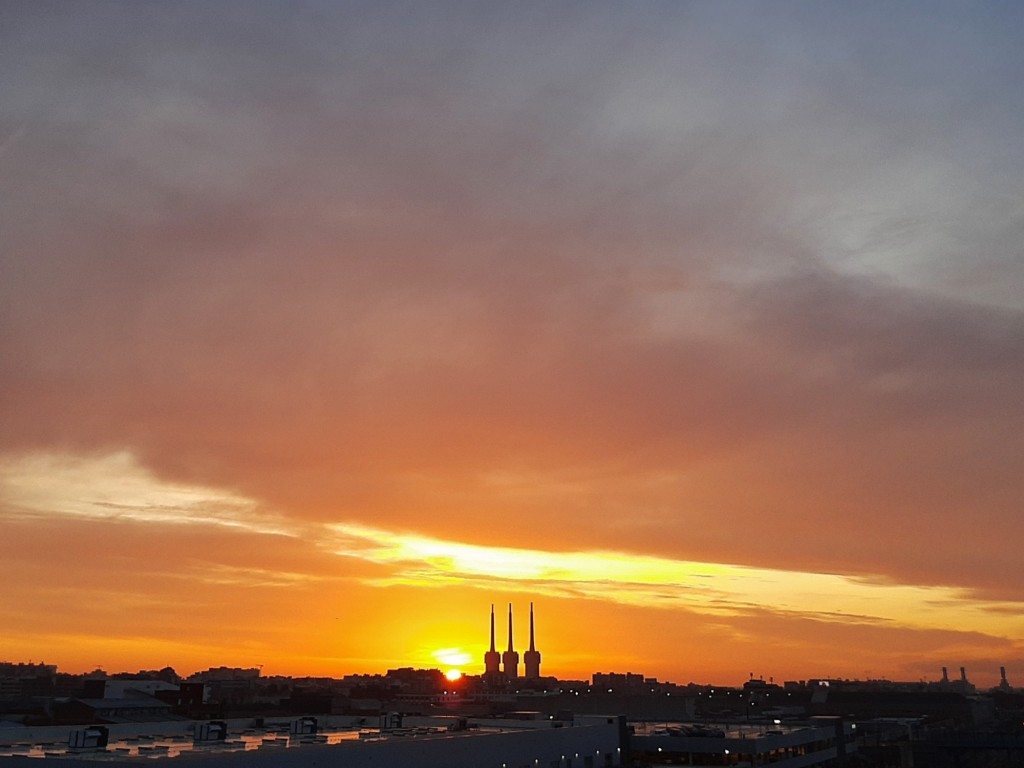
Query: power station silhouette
[[506, 665]]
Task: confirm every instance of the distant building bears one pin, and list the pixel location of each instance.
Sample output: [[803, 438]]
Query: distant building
[[492, 659], [618, 682], [136, 709], [26, 679], [222, 674], [228, 685], [510, 659], [121, 688], [821, 741], [531, 659], [1004, 684]]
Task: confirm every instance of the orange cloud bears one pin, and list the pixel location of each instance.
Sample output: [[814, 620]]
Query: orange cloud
[[198, 580]]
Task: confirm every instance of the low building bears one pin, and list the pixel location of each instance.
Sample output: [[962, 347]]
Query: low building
[[137, 709], [820, 741], [345, 743]]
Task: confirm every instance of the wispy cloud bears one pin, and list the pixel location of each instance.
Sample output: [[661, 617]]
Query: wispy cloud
[[116, 486], [219, 574], [641, 580]]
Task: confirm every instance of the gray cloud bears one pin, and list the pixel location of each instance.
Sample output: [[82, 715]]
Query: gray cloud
[[717, 268]]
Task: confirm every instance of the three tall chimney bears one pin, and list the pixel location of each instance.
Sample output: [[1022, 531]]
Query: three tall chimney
[[507, 663]]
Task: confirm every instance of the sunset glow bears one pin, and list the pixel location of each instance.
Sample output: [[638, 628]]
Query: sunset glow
[[700, 327], [453, 657]]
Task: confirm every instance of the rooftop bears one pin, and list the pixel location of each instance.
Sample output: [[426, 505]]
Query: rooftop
[[182, 742]]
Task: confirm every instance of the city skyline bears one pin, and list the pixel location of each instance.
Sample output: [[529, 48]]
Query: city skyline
[[324, 327], [497, 681]]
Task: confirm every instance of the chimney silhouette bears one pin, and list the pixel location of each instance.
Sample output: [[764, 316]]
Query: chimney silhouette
[[531, 659], [491, 659], [510, 659]]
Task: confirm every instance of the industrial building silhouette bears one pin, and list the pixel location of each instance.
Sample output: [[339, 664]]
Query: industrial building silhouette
[[506, 665]]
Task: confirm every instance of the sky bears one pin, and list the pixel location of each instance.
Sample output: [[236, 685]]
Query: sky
[[324, 326]]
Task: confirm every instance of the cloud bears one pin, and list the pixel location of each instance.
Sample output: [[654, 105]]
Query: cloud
[[194, 588], [700, 587], [703, 284], [57, 487], [115, 486]]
